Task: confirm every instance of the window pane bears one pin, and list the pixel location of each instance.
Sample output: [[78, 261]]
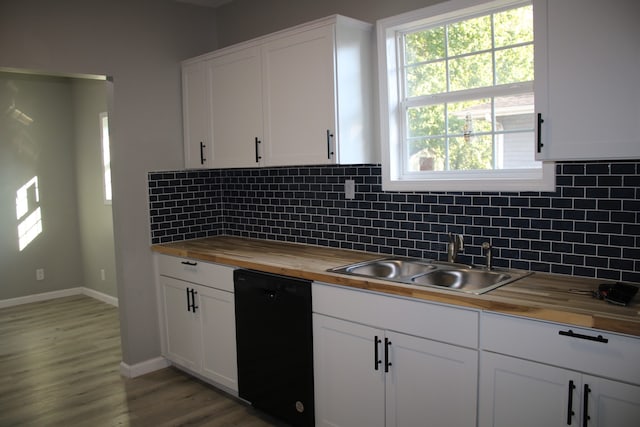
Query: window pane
[[518, 150], [469, 117], [514, 65], [475, 153], [515, 112], [427, 154], [424, 46], [426, 121], [514, 26], [469, 36], [427, 79], [471, 72]]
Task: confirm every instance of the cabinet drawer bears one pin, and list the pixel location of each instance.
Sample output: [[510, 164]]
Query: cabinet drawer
[[563, 345], [428, 320], [204, 273]]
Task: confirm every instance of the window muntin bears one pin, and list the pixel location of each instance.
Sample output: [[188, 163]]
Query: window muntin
[[458, 102]]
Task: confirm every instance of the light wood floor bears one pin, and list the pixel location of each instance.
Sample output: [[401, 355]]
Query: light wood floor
[[59, 366]]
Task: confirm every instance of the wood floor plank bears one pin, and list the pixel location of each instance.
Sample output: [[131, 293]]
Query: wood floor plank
[[59, 366]]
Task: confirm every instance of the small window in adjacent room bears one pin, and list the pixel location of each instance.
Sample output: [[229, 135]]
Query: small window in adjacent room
[[457, 100], [106, 156]]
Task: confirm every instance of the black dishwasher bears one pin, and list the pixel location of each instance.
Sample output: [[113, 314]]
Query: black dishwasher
[[275, 345]]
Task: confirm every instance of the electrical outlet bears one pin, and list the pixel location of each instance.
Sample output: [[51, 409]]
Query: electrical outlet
[[349, 189], [103, 275], [40, 274]]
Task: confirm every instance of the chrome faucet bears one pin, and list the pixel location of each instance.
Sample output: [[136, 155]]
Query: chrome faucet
[[486, 246], [456, 244]]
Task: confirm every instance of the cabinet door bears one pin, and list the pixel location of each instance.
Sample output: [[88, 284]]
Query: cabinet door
[[430, 383], [196, 116], [300, 98], [218, 336], [181, 325], [587, 62], [349, 385], [236, 108], [611, 403], [516, 392]]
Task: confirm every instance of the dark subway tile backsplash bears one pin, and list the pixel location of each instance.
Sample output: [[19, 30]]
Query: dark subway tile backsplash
[[588, 227]]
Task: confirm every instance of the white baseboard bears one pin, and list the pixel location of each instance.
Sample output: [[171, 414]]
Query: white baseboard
[[100, 296], [132, 371], [59, 294]]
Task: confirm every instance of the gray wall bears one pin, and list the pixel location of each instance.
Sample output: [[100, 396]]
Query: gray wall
[[140, 43], [245, 19], [95, 217], [44, 148]]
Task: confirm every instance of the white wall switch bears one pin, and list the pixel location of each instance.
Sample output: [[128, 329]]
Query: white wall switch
[[349, 189]]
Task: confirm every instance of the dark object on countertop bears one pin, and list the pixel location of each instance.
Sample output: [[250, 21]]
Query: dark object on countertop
[[617, 293]]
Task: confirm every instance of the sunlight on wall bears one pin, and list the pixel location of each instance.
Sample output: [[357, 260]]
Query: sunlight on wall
[[27, 199]]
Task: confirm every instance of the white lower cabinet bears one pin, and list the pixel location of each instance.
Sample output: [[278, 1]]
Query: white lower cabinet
[[527, 393], [198, 320], [516, 392], [611, 403], [371, 375], [349, 390], [430, 383], [181, 325], [218, 336]]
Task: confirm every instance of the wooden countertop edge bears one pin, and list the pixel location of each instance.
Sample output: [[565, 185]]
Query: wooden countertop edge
[[493, 302]]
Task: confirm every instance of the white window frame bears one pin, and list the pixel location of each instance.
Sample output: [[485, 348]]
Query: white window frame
[[106, 158], [391, 114]]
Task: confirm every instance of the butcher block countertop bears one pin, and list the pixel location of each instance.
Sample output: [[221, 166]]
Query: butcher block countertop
[[538, 296]]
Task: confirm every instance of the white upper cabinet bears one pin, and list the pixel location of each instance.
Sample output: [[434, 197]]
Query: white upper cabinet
[[586, 79], [297, 97], [236, 107], [196, 115]]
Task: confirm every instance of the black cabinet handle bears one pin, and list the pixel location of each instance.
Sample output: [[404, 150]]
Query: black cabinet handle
[[258, 156], [540, 122], [376, 360], [572, 334], [585, 406], [329, 136], [189, 263], [193, 300], [570, 412], [202, 159], [188, 300], [387, 363]]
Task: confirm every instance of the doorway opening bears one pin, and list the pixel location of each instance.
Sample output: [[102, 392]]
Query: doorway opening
[[56, 223]]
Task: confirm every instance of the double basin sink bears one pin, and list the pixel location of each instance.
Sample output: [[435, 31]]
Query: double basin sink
[[438, 274]]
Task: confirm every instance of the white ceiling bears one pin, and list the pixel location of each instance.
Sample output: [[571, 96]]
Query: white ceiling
[[207, 3]]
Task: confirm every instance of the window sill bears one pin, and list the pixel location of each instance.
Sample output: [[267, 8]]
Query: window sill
[[542, 181]]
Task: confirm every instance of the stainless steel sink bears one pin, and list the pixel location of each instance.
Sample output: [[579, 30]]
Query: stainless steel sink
[[389, 268], [424, 272]]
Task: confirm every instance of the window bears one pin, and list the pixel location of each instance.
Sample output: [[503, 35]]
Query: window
[[457, 103], [106, 156]]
